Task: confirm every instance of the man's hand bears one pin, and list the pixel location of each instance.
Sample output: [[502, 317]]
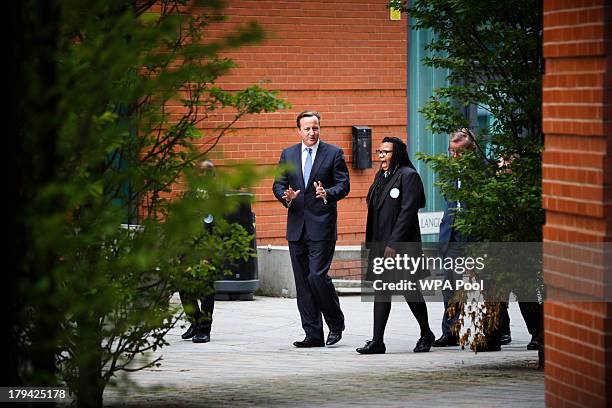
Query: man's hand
[[320, 191], [289, 195]]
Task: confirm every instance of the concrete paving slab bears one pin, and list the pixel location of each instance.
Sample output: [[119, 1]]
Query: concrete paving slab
[[251, 362]]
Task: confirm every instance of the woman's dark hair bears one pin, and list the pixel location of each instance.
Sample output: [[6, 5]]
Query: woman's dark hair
[[400, 154], [398, 159]]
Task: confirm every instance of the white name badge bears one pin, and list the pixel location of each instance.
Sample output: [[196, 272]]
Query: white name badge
[[394, 193]]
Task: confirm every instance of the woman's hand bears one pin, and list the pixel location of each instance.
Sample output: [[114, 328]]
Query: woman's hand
[[389, 252]]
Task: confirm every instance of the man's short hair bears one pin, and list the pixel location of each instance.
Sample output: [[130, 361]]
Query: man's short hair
[[205, 164], [205, 167], [464, 133], [307, 114]]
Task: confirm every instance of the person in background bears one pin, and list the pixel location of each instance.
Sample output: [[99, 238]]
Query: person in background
[[200, 315], [450, 240], [532, 312]]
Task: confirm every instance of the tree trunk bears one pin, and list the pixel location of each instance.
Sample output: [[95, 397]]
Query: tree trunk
[[89, 387]]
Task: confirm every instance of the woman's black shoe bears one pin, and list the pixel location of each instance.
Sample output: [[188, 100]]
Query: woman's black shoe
[[372, 348], [424, 343]]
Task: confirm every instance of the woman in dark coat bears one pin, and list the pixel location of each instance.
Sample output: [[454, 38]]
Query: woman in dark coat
[[393, 228]]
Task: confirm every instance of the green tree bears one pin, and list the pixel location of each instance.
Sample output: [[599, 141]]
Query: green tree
[[112, 98], [493, 52]]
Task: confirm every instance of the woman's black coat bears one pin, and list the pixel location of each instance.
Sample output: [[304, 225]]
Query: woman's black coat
[[397, 218]]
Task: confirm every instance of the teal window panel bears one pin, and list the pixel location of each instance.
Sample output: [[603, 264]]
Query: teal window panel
[[119, 160], [422, 81]]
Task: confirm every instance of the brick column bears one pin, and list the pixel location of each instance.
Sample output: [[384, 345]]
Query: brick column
[[577, 187]]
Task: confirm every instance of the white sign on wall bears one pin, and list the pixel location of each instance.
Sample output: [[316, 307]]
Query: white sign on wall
[[430, 222]]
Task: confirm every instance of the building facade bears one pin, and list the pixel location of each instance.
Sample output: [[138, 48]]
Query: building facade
[[345, 59], [356, 65]]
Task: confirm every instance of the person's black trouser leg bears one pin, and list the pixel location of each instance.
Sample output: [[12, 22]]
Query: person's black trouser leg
[[321, 254], [418, 307], [190, 306], [316, 294], [201, 316], [381, 315], [449, 320], [504, 317], [382, 309], [307, 306], [533, 315], [206, 315]]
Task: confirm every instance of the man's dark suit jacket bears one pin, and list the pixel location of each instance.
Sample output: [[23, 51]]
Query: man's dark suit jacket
[[330, 169], [447, 232], [446, 224]]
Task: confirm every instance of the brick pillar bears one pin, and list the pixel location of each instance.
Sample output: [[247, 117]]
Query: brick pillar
[[577, 187]]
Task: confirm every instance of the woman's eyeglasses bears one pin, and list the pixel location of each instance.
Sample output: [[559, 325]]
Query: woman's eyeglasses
[[383, 152]]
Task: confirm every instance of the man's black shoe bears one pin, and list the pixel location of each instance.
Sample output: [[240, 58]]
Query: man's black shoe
[[424, 343], [191, 331], [446, 340], [201, 337], [534, 344], [308, 342], [333, 338], [372, 348], [505, 339]]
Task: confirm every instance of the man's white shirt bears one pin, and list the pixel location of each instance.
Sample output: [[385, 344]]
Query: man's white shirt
[[314, 148]]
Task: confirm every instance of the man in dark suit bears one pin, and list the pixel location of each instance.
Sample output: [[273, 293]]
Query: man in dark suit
[[316, 180], [450, 244]]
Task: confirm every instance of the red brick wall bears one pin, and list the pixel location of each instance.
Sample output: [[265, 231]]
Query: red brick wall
[[346, 269], [577, 188], [345, 59]]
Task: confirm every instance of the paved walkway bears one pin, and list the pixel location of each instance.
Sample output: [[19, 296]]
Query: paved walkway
[[251, 362]]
